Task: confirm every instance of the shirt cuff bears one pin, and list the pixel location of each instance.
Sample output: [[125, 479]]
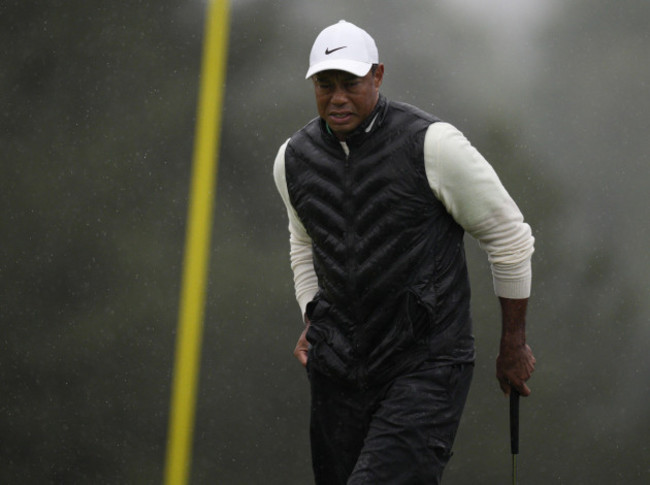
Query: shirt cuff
[[514, 288]]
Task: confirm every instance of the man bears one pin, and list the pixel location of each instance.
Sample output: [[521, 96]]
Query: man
[[379, 195]]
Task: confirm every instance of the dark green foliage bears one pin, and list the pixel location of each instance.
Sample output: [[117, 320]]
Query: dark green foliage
[[97, 112]]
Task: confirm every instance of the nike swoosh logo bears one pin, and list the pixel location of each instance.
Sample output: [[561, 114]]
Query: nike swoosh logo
[[328, 51]]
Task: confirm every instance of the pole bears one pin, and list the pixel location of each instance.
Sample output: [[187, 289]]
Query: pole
[[197, 243], [514, 431]]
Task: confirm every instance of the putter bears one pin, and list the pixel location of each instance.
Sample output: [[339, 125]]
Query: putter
[[514, 431]]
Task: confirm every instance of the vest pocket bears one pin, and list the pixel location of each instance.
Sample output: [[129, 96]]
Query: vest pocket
[[330, 353], [403, 334], [317, 309], [420, 310]]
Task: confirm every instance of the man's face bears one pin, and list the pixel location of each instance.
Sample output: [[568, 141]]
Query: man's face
[[344, 100]]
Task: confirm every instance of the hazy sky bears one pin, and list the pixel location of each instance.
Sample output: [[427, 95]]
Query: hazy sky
[[520, 17]]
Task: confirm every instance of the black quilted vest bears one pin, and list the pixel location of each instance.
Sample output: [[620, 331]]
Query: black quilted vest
[[390, 261]]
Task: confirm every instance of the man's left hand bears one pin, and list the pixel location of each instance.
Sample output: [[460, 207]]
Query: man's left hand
[[515, 365]]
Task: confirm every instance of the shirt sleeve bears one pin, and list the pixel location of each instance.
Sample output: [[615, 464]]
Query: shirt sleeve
[[300, 253], [471, 191]]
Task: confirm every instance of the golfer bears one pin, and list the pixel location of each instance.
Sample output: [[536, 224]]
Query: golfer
[[379, 195]]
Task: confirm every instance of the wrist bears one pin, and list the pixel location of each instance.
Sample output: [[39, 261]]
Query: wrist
[[513, 340]]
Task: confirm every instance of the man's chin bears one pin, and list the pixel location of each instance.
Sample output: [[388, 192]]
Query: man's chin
[[341, 130]]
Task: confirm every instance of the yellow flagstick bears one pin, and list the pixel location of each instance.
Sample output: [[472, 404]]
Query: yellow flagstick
[[195, 264]]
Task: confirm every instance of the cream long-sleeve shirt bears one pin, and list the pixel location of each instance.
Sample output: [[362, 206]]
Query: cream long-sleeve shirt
[[472, 193]]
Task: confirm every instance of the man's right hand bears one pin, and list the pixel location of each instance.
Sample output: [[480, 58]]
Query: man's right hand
[[302, 347]]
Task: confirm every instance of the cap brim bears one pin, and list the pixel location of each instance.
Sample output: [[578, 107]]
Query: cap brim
[[354, 67]]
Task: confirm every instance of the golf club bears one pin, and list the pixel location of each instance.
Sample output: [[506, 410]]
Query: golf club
[[514, 431]]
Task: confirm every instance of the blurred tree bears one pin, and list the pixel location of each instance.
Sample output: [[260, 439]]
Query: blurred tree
[[98, 103], [96, 130]]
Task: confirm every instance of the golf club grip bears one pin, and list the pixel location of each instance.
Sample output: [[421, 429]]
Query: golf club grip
[[514, 421]]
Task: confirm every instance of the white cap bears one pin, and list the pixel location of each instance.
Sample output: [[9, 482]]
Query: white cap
[[344, 47]]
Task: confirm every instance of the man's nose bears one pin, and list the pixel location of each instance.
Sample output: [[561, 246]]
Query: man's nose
[[339, 96]]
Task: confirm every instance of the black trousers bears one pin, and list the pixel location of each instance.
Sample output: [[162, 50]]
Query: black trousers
[[398, 434]]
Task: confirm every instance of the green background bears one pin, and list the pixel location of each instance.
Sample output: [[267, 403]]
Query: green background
[[97, 115]]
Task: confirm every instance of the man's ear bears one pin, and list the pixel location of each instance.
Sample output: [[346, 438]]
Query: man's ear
[[379, 75]]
